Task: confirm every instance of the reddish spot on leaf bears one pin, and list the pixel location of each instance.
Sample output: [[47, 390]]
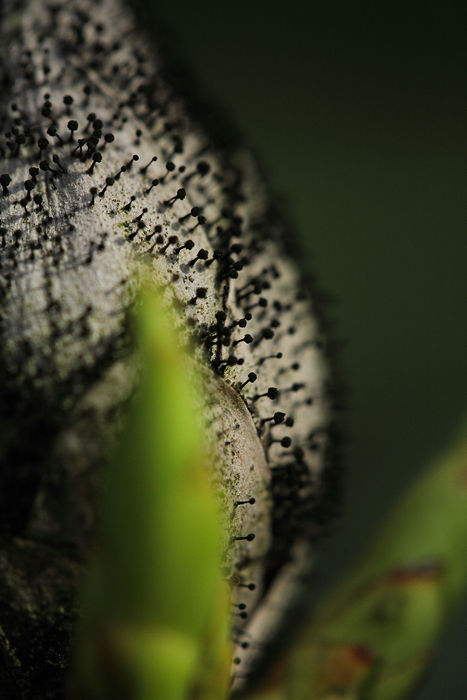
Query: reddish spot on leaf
[[429, 571]]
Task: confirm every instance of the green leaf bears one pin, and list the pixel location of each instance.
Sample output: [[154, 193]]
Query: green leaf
[[155, 612], [373, 638]]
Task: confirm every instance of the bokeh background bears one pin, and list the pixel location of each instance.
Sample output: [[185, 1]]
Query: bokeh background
[[357, 109]]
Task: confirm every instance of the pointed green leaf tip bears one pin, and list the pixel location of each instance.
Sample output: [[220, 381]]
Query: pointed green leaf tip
[[373, 638], [155, 609]]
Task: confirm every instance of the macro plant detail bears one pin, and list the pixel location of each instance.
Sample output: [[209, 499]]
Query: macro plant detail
[[105, 175], [185, 476]]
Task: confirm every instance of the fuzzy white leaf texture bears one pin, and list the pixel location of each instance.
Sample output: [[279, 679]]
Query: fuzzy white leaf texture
[[104, 171]]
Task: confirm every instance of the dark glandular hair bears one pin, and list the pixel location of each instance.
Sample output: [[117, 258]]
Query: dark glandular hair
[[104, 172]]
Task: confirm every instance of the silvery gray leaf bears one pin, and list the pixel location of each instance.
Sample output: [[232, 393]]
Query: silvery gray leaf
[[104, 172]]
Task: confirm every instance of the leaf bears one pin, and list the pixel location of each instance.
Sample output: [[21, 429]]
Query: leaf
[[373, 638], [155, 620]]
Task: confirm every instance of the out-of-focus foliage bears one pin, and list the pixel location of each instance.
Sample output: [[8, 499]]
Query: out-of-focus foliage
[[155, 607], [373, 638]]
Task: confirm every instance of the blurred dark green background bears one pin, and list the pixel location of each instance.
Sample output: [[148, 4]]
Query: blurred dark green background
[[358, 111]]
